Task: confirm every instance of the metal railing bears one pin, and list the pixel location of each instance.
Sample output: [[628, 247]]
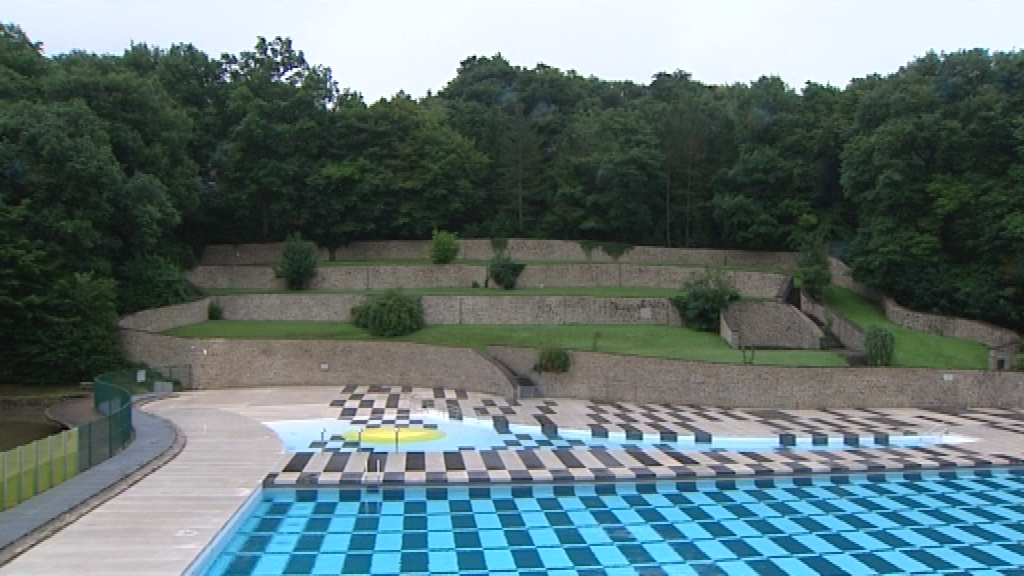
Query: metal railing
[[38, 466]]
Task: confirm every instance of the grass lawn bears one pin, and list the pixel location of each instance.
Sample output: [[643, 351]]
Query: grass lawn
[[913, 348], [658, 341], [607, 292]]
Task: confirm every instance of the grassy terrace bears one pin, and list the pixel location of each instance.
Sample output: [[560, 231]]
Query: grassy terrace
[[913, 348], [655, 341]]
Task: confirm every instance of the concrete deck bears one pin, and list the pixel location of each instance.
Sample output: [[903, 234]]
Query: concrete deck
[[162, 523]]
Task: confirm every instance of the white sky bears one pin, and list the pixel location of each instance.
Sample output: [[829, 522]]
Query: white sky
[[378, 47]]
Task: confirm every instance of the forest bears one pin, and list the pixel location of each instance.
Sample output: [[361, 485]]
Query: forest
[[116, 170]]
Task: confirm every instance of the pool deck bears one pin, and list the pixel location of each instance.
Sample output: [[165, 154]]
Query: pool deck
[[162, 523]]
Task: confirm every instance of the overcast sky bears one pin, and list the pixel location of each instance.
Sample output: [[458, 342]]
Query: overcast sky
[[378, 47]]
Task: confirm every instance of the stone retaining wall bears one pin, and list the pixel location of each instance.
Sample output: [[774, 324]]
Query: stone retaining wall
[[749, 284], [160, 319], [437, 310], [218, 363], [987, 334], [1003, 344], [768, 324], [614, 378], [547, 310], [521, 249], [849, 334]]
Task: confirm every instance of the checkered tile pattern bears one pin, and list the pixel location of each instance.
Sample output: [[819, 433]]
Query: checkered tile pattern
[[546, 457], [909, 523]]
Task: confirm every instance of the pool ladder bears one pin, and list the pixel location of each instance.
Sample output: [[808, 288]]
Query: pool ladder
[[372, 476], [372, 479]]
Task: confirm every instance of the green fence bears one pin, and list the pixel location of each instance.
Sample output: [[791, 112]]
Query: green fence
[[30, 469], [100, 439]]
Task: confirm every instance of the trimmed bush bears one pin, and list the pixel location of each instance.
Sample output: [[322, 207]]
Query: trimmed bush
[[390, 314], [505, 271], [444, 248], [702, 300], [214, 311], [298, 262], [880, 345], [552, 359]]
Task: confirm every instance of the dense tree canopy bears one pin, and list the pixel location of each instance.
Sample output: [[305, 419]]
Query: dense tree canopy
[[115, 170]]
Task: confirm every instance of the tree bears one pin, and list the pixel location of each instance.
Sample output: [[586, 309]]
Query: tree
[[21, 64], [610, 174]]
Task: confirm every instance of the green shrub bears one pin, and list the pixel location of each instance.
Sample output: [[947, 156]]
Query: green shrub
[[702, 300], [298, 262], [552, 359], [505, 271], [214, 311], [880, 344], [1019, 364], [390, 314], [444, 247]]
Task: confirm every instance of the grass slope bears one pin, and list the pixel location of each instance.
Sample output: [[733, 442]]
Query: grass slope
[[913, 348], [656, 341]]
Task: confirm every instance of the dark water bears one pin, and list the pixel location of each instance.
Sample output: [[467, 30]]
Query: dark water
[[24, 425]]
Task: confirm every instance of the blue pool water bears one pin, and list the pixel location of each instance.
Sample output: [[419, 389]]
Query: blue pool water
[[962, 522], [479, 434]]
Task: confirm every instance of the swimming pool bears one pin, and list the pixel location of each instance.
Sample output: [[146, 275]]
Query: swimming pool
[[897, 523], [435, 432]]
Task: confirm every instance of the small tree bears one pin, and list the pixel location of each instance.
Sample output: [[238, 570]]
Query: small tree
[[298, 262], [812, 272], [702, 300], [880, 344], [444, 247]]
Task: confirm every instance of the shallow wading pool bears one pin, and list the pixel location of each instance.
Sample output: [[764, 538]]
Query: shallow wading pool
[[432, 432]]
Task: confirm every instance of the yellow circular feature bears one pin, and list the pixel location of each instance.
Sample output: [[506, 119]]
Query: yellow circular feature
[[387, 435]]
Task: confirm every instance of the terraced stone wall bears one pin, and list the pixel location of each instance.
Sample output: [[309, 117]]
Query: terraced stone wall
[[522, 249], [749, 284], [614, 378], [160, 319], [218, 363], [850, 334], [1003, 344], [766, 324], [437, 310]]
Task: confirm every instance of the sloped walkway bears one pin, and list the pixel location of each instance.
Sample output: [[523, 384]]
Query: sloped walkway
[[48, 512]]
